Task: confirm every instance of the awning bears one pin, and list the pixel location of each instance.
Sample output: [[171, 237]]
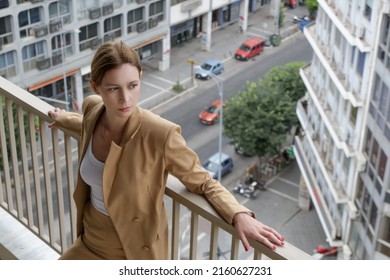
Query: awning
[[50, 81]]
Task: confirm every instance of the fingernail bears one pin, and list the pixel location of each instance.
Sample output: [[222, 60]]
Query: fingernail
[[273, 247], [246, 248]]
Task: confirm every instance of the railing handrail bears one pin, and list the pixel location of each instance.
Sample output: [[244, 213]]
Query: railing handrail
[[201, 206]]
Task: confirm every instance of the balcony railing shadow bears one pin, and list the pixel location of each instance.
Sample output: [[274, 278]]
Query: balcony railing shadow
[[38, 168]]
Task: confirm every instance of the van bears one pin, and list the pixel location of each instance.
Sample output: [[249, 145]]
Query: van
[[250, 48], [216, 162]]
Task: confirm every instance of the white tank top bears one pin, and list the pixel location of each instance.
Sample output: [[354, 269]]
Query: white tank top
[[91, 170]]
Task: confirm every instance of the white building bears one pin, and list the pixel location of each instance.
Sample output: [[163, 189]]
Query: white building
[[344, 149], [42, 41]]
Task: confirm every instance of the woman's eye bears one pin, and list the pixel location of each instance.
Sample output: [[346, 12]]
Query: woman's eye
[[112, 89], [132, 86]]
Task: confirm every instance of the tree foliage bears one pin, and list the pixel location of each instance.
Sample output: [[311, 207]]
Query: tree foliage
[[312, 6], [5, 121], [259, 118]]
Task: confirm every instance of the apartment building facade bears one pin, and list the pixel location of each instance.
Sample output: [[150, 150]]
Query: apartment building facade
[[43, 41], [344, 149]]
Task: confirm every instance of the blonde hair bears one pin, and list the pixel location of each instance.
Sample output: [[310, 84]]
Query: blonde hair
[[111, 55]]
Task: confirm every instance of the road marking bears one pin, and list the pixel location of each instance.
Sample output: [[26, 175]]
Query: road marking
[[162, 79], [261, 30], [283, 195], [153, 85], [288, 182]]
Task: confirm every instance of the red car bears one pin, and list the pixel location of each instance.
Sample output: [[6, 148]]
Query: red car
[[211, 113]]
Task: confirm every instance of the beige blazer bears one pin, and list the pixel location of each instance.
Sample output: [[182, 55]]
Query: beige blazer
[[135, 176]]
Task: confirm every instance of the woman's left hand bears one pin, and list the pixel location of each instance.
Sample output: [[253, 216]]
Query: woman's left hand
[[248, 227]]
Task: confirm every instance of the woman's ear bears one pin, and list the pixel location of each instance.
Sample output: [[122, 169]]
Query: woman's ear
[[93, 86]]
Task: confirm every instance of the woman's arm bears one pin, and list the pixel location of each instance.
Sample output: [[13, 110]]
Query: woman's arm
[[189, 171], [66, 120]]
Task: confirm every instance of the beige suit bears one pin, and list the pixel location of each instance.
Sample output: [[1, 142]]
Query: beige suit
[[135, 176]]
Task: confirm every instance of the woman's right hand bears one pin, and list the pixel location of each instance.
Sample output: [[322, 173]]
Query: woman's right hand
[[54, 114]]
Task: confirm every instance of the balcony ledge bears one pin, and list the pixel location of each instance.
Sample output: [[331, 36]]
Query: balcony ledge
[[19, 243]]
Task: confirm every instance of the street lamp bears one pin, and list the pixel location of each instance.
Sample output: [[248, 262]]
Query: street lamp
[[219, 81], [63, 64]]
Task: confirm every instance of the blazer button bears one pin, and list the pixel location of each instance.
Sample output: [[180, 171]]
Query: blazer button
[[136, 219], [146, 248]]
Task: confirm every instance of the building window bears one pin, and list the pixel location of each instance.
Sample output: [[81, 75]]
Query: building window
[[57, 43], [133, 17], [6, 31], [87, 35], [156, 9], [60, 10], [83, 7], [361, 61], [27, 19], [374, 153], [4, 4], [382, 165], [112, 28], [7, 64], [32, 53], [368, 142], [384, 237], [368, 9]]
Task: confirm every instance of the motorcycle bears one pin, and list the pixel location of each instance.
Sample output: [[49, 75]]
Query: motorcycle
[[249, 188], [297, 19]]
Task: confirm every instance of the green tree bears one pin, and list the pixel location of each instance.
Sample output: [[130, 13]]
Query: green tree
[[286, 79], [312, 6], [5, 121], [259, 118]]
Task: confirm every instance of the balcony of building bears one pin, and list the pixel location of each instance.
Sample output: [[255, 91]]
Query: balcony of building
[[319, 150], [37, 176], [305, 157]]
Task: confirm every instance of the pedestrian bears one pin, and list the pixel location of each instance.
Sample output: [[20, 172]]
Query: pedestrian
[[126, 154]]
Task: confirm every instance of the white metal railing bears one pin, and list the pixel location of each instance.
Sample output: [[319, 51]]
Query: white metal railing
[[37, 177]]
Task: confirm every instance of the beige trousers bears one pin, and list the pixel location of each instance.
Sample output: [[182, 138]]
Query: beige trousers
[[99, 241]]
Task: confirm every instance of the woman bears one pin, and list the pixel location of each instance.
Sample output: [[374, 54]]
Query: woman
[[126, 155]]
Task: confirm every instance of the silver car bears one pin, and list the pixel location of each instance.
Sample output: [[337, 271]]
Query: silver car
[[207, 69]]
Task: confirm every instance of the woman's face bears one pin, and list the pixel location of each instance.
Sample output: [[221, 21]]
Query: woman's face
[[120, 90]]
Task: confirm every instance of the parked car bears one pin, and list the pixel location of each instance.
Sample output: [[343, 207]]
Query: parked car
[[209, 68], [213, 163], [210, 114], [250, 48]]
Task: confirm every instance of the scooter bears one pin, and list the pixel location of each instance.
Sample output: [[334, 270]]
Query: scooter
[[249, 188], [297, 19]]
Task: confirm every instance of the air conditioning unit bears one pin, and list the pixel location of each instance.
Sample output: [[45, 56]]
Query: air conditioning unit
[[362, 165], [40, 31], [108, 9], [43, 63], [55, 26], [153, 22], [56, 59], [36, 1], [358, 31], [142, 27], [353, 212], [95, 13], [96, 43], [109, 37], [140, 1]]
